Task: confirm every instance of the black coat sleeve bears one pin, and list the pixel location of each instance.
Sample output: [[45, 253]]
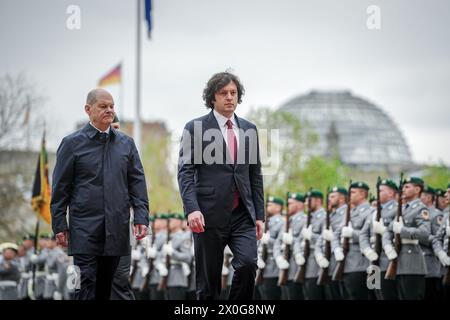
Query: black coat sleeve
[[62, 185], [186, 171], [137, 188], [256, 183]]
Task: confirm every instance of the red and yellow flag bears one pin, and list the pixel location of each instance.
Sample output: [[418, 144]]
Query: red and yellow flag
[[112, 77], [41, 196]]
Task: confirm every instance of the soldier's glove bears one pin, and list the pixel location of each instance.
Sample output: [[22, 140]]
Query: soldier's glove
[[135, 255], [444, 258], [390, 252], [168, 249], [299, 259], [287, 238], [321, 260], [34, 258], [186, 269], [398, 225], [307, 233], [144, 271], [328, 235], [265, 238], [225, 271], [260, 263], [282, 263], [447, 231], [57, 295], [378, 227], [370, 254], [347, 231], [162, 270], [151, 252], [339, 254]]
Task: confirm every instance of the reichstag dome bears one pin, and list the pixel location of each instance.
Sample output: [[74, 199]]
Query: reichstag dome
[[353, 129]]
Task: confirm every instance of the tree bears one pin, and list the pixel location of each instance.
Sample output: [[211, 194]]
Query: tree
[[437, 176]]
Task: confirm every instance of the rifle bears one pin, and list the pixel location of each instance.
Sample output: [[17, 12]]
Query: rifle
[[283, 275], [146, 282], [36, 252], [163, 283], [323, 274], [378, 218], [301, 272], [339, 271], [264, 255], [391, 271]]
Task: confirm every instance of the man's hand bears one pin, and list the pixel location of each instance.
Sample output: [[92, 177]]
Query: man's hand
[[196, 221], [62, 238], [140, 231], [259, 229]]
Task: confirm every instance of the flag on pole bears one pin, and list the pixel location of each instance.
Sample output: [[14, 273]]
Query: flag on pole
[[112, 77], [148, 16], [41, 196]]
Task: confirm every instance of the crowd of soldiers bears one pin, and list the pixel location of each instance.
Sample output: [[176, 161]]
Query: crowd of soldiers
[[346, 247], [319, 247]]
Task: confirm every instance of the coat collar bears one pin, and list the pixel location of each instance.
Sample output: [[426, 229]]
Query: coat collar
[[91, 132]]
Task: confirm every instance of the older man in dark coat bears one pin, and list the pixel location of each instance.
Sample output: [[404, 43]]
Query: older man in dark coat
[[98, 177]]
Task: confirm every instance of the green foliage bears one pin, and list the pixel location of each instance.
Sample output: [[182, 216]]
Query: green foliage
[[437, 176]]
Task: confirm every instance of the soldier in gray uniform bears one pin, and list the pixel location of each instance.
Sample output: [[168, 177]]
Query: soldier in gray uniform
[[154, 253], [25, 266], [190, 294], [55, 269], [310, 288], [227, 272], [442, 200], [389, 205], [440, 243], [297, 219], [39, 261], [269, 288], [139, 268], [356, 264], [9, 272], [179, 251], [414, 226], [334, 290], [434, 271]]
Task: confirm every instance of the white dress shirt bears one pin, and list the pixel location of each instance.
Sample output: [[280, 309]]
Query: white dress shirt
[[222, 121], [107, 130]]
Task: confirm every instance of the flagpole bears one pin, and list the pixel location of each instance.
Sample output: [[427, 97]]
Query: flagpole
[[121, 97], [137, 120]]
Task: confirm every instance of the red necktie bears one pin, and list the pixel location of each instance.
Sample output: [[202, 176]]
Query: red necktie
[[232, 147]]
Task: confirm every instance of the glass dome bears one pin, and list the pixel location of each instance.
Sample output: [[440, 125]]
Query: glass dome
[[352, 128]]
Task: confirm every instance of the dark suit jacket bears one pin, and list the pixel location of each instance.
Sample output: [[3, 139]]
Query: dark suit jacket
[[98, 181], [209, 186]]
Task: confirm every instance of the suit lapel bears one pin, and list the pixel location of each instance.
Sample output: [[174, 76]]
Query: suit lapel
[[213, 124]]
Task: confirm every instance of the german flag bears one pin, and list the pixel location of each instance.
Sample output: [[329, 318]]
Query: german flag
[[41, 196], [112, 77]]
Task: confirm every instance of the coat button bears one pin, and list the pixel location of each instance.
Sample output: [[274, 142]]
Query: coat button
[[409, 251]]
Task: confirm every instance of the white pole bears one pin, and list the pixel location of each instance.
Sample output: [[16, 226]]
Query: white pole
[[137, 120]]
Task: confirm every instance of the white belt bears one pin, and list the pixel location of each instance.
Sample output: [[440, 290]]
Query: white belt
[[40, 273], [350, 240], [25, 275], [410, 241], [53, 276], [8, 283]]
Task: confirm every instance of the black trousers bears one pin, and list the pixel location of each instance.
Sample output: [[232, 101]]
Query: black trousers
[[294, 290], [411, 287], [433, 289], [156, 294], [356, 285], [312, 291], [333, 290], [121, 288], [176, 293], [96, 275], [240, 235], [388, 289], [270, 289]]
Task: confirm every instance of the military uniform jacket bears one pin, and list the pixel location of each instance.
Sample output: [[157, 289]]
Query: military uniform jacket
[[336, 219], [160, 240], [367, 236], [296, 223], [440, 240], [9, 278], [181, 243], [317, 221], [355, 261], [275, 227], [432, 261], [411, 260]]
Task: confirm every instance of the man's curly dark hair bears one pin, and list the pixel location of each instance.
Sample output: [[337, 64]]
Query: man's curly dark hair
[[217, 82]]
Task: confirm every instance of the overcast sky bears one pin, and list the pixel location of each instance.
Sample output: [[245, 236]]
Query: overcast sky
[[278, 48]]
